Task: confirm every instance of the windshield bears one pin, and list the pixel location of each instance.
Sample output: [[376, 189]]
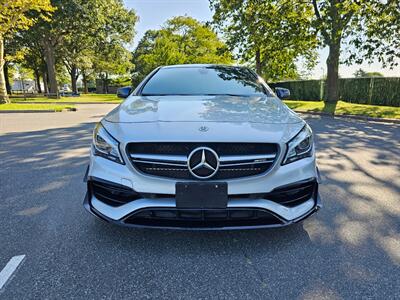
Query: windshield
[[207, 80]]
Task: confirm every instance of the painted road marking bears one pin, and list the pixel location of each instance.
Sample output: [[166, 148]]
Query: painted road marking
[[10, 268]]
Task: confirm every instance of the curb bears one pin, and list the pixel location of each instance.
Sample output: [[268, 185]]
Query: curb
[[50, 102], [355, 117], [26, 111]]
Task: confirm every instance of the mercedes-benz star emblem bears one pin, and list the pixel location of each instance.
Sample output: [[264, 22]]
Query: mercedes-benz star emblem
[[203, 128], [203, 163]]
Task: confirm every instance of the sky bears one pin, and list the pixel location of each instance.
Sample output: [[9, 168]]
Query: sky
[[153, 14]]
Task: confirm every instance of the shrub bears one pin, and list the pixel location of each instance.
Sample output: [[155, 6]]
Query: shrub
[[371, 90]]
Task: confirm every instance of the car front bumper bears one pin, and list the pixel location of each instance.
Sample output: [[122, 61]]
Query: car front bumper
[[126, 197], [240, 213]]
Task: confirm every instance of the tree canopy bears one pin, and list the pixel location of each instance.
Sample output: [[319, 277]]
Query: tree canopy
[[82, 33], [182, 40], [89, 38], [377, 37], [368, 27], [275, 33], [16, 15], [271, 34], [360, 73], [83, 37]]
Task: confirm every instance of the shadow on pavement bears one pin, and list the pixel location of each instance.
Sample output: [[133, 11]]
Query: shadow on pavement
[[351, 247]]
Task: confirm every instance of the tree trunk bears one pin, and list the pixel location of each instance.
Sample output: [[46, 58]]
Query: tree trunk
[[7, 78], [103, 88], [23, 87], [106, 83], [37, 77], [333, 73], [3, 89], [74, 78], [45, 85], [51, 68], [85, 83], [258, 62]]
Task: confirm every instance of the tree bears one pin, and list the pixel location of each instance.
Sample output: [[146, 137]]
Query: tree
[[111, 55], [182, 40], [272, 34], [374, 74], [12, 53], [101, 22], [32, 58], [15, 15], [30, 53], [380, 34], [112, 59], [368, 26], [50, 34], [86, 66], [360, 73], [332, 21], [76, 30]]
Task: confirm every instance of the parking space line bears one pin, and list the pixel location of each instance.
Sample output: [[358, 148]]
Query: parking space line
[[10, 268]]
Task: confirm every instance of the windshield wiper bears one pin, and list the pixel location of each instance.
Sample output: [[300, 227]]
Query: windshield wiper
[[156, 95], [234, 95]]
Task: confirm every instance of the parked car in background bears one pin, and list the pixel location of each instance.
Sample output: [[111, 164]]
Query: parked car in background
[[65, 89], [202, 147], [24, 86]]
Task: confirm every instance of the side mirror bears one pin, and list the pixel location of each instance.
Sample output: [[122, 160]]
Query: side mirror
[[282, 93], [124, 92]]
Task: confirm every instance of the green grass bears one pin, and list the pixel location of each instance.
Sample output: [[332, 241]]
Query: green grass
[[38, 107], [95, 98], [345, 108], [305, 106]]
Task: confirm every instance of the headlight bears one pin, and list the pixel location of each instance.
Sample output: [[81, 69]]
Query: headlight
[[300, 146], [105, 145]]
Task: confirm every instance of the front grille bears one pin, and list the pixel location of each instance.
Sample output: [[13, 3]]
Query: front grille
[[169, 160], [171, 148], [202, 218]]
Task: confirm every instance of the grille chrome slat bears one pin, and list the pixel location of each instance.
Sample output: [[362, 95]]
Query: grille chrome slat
[[241, 169], [229, 158], [165, 169], [245, 163], [159, 157], [236, 159], [158, 162]]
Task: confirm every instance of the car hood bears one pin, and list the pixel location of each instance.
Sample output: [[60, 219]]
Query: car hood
[[208, 119], [254, 109]]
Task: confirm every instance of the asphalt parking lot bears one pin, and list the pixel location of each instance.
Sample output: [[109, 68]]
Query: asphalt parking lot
[[349, 249]]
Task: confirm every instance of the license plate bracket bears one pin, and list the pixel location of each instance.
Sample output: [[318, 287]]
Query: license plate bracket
[[201, 195]]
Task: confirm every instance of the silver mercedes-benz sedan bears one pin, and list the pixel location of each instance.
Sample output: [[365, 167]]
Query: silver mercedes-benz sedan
[[202, 147]]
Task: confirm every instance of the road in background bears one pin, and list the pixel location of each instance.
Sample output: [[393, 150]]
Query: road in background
[[350, 249]]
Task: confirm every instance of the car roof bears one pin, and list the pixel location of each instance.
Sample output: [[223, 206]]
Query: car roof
[[198, 66]]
